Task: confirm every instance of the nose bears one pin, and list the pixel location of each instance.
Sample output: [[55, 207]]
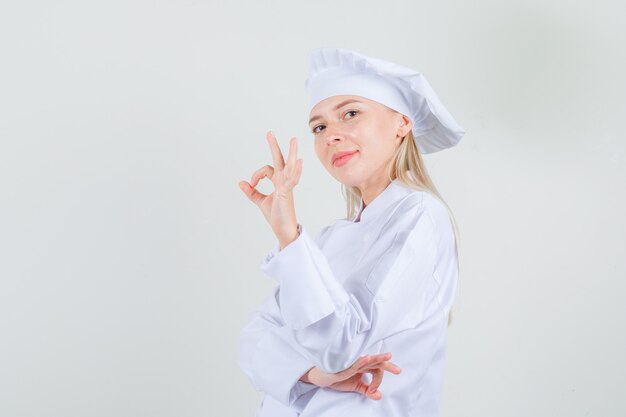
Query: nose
[[332, 134]]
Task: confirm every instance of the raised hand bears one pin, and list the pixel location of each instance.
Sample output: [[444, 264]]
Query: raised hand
[[351, 379], [278, 207]]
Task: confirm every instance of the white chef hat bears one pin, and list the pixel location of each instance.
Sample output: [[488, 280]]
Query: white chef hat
[[336, 71]]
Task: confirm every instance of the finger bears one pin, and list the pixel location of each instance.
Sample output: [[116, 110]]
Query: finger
[[376, 395], [365, 362], [352, 370], [377, 379], [391, 367], [255, 196], [277, 155], [266, 171], [362, 363], [381, 356], [374, 360], [386, 366], [361, 386], [298, 169], [293, 153]]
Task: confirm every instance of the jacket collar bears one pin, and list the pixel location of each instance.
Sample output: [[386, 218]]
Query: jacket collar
[[394, 192]]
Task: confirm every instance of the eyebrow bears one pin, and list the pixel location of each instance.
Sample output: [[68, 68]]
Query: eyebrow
[[338, 106]]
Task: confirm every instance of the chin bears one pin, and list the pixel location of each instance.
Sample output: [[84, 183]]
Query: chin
[[347, 178]]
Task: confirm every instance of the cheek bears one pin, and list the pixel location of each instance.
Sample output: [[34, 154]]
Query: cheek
[[380, 145], [319, 151]]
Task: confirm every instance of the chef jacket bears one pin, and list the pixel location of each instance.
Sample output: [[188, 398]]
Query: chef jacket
[[384, 283]]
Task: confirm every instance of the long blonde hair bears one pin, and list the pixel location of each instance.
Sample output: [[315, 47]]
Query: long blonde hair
[[409, 168]]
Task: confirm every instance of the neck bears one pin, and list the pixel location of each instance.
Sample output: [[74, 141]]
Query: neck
[[371, 190]]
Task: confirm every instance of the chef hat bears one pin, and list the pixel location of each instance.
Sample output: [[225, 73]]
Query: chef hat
[[336, 71]]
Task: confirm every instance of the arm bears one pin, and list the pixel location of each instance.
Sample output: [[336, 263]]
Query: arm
[[267, 357], [268, 360], [331, 327]]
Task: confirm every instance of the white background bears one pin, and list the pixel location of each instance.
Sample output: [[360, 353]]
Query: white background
[[129, 256]]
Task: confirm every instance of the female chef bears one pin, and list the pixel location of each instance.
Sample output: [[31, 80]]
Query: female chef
[[378, 283]]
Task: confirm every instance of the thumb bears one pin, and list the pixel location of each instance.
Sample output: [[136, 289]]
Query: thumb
[[250, 192]]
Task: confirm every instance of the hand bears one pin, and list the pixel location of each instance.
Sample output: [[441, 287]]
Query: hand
[[351, 379], [278, 207]]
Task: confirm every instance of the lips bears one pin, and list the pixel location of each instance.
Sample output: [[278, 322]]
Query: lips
[[340, 154]]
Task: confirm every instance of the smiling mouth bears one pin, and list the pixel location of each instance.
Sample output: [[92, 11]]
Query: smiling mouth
[[342, 160]]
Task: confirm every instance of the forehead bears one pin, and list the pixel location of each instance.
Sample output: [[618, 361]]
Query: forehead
[[335, 102]]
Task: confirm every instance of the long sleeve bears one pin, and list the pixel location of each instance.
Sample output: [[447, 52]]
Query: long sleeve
[[332, 327], [271, 364]]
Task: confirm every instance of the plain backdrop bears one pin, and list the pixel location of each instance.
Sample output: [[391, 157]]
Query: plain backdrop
[[129, 257]]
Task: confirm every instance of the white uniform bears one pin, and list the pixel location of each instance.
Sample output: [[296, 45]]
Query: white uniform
[[382, 284]]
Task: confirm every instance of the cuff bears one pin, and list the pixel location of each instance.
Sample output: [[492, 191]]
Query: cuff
[[279, 369], [308, 289], [276, 250]]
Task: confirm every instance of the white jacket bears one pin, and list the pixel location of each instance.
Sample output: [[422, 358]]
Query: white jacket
[[385, 283]]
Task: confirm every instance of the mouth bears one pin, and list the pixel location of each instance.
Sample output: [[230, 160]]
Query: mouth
[[341, 158]]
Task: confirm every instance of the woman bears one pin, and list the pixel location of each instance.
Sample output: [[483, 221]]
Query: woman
[[377, 283]]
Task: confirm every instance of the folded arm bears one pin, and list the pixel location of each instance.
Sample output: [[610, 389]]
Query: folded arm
[[330, 327]]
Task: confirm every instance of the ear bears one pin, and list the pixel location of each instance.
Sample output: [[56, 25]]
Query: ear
[[404, 125]]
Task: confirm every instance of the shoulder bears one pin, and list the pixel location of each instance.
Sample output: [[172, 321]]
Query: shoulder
[[425, 209], [436, 209], [441, 219], [419, 200]]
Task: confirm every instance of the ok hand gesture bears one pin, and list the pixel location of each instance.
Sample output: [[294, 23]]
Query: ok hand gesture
[[351, 379], [278, 207]]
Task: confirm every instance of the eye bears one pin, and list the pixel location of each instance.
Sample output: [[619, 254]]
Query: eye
[[352, 111], [315, 129]]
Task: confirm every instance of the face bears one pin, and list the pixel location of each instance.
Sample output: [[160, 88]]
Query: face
[[369, 131]]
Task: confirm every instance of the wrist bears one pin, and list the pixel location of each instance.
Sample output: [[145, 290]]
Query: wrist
[[286, 239], [318, 377], [305, 377]]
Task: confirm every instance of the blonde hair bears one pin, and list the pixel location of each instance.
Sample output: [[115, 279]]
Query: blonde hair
[[409, 168]]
